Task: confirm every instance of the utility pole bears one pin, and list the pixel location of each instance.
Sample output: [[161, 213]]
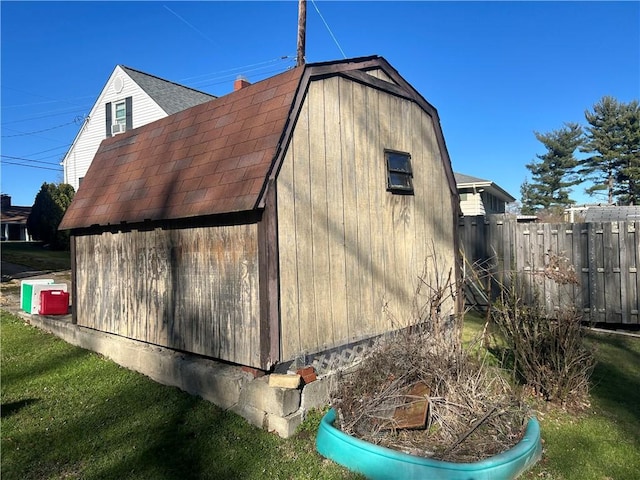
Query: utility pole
[[302, 31]]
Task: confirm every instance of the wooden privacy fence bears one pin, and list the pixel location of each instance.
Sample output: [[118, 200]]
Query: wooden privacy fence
[[605, 258]]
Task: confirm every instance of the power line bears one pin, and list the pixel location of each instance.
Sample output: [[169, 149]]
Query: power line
[[27, 159], [240, 69], [49, 150], [49, 99], [38, 131], [218, 78], [66, 111], [327, 25], [30, 166], [192, 27], [221, 80]]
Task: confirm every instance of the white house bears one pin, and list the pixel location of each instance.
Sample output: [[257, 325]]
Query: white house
[[129, 99], [480, 197]]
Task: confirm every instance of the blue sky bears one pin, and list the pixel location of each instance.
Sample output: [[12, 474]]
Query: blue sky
[[496, 71]]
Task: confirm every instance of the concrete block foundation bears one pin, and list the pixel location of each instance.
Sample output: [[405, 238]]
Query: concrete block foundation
[[279, 410]]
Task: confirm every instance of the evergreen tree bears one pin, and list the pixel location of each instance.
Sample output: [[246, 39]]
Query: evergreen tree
[[46, 214], [627, 186], [613, 140], [552, 175], [527, 199]]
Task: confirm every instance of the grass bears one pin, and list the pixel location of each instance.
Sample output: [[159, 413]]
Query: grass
[[69, 413], [34, 255], [603, 442]]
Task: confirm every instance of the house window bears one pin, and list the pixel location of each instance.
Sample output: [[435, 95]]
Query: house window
[[399, 173], [120, 114]]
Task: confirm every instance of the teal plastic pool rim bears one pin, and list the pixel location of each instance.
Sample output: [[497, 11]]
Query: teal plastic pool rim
[[331, 443]]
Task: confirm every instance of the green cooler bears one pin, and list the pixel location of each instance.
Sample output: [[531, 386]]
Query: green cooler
[[26, 292]]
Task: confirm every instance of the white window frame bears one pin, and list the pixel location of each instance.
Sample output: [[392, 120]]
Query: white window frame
[[122, 120]]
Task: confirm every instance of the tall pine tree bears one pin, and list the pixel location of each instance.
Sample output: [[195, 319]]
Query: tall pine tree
[[613, 140], [553, 174]]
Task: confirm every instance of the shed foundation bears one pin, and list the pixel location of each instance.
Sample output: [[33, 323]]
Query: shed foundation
[[230, 387]]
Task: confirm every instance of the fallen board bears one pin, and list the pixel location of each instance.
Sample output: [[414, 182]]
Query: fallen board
[[413, 414]]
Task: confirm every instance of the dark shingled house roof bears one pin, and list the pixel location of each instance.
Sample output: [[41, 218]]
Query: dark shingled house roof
[[15, 214], [467, 181], [209, 159], [169, 96]]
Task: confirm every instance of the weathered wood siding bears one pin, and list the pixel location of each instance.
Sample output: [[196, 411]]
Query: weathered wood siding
[[192, 289], [605, 257], [351, 253]]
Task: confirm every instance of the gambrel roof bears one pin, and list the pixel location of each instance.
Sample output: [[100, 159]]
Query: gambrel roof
[[218, 157]]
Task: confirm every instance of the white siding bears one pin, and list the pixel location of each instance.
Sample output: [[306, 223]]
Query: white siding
[[145, 110], [471, 204]]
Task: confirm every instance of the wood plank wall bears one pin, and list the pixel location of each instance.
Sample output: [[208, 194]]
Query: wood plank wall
[[605, 257], [192, 289], [351, 253]]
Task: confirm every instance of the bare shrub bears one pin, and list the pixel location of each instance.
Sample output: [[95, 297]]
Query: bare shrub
[[546, 351], [473, 412], [557, 267]]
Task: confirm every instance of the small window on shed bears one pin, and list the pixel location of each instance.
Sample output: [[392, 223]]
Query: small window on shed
[[399, 172]]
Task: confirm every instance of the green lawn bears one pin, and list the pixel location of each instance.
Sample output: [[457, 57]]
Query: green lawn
[[69, 413], [34, 255], [603, 442]]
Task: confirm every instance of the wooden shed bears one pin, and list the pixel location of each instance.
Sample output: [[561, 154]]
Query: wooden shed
[[289, 217]]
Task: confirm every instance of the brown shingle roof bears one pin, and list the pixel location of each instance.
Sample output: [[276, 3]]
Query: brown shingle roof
[[15, 214], [217, 157], [209, 159]]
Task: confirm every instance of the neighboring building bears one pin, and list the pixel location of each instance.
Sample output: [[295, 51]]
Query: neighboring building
[[481, 197], [13, 221], [290, 217], [129, 99]]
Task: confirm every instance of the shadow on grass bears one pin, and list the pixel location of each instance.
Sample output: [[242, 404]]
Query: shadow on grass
[[8, 409], [93, 419], [53, 361], [139, 431]]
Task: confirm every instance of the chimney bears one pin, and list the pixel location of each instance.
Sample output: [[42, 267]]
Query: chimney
[[5, 201], [240, 83]]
